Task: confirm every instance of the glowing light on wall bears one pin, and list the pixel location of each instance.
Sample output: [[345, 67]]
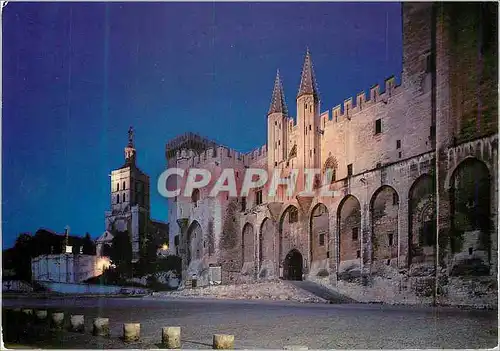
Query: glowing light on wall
[[103, 263]]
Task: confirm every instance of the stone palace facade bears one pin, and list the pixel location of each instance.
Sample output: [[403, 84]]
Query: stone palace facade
[[416, 166]]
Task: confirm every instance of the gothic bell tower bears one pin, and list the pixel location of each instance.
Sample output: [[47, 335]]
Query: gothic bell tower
[[130, 203]]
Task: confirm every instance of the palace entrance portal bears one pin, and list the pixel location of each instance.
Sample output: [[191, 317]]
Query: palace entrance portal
[[292, 266]]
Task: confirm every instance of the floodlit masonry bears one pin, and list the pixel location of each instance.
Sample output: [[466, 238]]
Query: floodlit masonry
[[253, 178], [415, 166]]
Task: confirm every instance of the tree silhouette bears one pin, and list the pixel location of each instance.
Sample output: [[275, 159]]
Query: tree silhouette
[[88, 245], [23, 252], [107, 250], [121, 252]]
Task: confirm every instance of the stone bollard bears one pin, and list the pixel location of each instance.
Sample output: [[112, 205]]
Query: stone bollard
[[28, 312], [295, 347], [77, 323], [101, 327], [57, 320], [223, 342], [171, 337], [41, 315], [131, 332]]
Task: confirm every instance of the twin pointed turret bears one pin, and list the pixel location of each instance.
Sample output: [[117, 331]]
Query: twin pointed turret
[[278, 104], [307, 86], [308, 80]]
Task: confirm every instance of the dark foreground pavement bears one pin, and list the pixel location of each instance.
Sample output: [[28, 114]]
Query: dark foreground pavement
[[273, 325]]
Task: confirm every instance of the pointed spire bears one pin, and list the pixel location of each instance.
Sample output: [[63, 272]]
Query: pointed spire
[[66, 234], [308, 80], [130, 149], [278, 99], [131, 137], [67, 248]]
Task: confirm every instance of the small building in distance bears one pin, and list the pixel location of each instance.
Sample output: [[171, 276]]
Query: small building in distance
[[66, 259]]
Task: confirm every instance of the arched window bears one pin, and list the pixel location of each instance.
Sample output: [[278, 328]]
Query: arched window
[[123, 185], [331, 166], [294, 215], [123, 198], [117, 186], [118, 198]]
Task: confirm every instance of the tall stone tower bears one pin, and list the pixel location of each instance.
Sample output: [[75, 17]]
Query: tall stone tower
[[308, 153], [277, 128], [130, 203]]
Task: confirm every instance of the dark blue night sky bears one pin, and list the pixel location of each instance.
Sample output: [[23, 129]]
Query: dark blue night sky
[[77, 75]]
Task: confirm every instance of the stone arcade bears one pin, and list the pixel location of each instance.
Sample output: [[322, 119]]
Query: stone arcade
[[416, 164]]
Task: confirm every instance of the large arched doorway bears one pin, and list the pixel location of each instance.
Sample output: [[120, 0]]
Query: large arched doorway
[[289, 231], [471, 223], [384, 211], [266, 241], [247, 245], [349, 224], [194, 242], [292, 266], [319, 237], [266, 249], [422, 221]]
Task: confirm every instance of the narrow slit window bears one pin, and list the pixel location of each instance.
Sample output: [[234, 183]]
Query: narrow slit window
[[355, 234], [378, 126], [322, 240], [258, 197]]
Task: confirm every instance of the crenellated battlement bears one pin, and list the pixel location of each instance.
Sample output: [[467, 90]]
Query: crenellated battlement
[[256, 154], [221, 155], [351, 106], [195, 151]]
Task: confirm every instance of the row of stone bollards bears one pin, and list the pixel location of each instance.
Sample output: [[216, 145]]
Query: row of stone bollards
[[25, 325], [21, 325]]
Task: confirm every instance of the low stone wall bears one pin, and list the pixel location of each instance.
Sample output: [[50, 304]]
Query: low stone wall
[[276, 290], [68, 288], [476, 292], [16, 286]]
